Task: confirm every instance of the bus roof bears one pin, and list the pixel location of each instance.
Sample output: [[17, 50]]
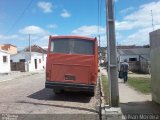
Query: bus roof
[[76, 37]]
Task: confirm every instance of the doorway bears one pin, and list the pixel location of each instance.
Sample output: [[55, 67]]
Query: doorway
[[35, 62]]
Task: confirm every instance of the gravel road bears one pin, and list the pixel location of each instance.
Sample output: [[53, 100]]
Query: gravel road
[[27, 97]]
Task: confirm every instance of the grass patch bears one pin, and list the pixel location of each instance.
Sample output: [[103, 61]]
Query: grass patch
[[105, 88], [140, 84]]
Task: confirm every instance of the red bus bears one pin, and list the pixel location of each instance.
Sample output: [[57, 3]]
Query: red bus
[[72, 63]]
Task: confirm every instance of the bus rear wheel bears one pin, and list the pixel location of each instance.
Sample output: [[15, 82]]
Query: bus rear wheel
[[91, 94], [57, 91]]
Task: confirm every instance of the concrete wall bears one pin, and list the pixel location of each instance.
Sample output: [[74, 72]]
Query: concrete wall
[[4, 67], [145, 67], [155, 65]]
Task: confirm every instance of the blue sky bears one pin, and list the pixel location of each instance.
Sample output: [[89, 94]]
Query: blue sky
[[42, 18]]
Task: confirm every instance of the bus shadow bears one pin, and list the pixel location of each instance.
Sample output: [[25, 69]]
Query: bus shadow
[[48, 94], [61, 106]]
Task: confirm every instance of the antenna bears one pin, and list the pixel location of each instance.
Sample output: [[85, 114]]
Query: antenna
[[152, 20]]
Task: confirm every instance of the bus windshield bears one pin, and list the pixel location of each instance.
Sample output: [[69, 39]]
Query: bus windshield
[[72, 46]]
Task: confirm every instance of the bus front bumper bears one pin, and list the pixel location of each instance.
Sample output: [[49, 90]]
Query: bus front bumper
[[69, 86]]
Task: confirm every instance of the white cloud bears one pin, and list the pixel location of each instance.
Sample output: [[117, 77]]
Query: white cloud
[[141, 22], [33, 30], [47, 7], [8, 37], [42, 41], [125, 11], [39, 36], [103, 40], [142, 17], [92, 31], [52, 26], [141, 37], [124, 25], [65, 14], [118, 35], [88, 30]]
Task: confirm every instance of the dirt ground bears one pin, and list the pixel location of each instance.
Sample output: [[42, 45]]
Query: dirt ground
[[131, 74]]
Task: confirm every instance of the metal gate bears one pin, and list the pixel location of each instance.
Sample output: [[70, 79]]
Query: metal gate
[[18, 66]]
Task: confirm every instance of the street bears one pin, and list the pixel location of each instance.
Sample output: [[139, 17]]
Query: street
[[27, 96]]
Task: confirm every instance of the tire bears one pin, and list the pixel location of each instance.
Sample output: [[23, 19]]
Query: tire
[[57, 91], [90, 94]]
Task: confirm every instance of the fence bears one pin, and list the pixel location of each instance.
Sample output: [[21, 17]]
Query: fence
[[134, 66], [140, 67], [18, 66], [144, 65]]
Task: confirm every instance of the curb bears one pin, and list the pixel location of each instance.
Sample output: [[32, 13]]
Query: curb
[[98, 98], [109, 113]]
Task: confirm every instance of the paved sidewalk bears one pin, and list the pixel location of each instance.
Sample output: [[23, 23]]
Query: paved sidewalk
[[128, 94], [132, 101], [16, 74]]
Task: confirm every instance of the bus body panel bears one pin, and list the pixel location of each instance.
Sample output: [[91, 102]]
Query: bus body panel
[[75, 71]]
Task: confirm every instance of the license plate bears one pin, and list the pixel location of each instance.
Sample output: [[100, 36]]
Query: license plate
[[70, 77]]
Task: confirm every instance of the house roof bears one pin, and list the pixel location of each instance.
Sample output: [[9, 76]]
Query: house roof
[[4, 51], [35, 48], [128, 47], [155, 31], [28, 53], [8, 45], [135, 51]]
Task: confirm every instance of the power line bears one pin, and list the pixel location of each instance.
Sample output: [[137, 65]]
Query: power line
[[100, 16], [99, 19], [19, 18]]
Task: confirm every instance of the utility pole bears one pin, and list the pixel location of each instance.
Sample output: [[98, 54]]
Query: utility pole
[[112, 57], [30, 46], [99, 50]]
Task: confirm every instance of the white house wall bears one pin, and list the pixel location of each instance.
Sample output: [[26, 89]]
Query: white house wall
[[4, 67], [17, 57], [122, 58], [30, 65]]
